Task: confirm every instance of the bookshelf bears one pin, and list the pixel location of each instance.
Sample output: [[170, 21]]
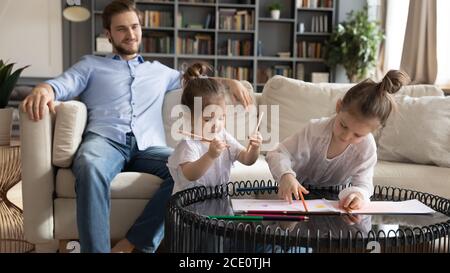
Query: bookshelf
[[237, 37]]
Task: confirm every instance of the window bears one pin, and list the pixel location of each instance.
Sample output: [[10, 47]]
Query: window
[[443, 42], [396, 18]]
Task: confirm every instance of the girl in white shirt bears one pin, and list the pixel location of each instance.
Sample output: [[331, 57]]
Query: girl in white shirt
[[197, 162], [340, 149]]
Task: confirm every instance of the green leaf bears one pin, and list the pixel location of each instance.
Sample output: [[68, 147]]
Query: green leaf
[[5, 72], [7, 86], [354, 43]]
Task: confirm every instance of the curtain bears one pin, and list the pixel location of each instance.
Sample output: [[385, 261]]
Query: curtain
[[381, 51], [419, 58]]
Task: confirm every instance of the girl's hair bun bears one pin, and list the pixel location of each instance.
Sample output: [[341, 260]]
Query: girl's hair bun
[[196, 71], [393, 81]]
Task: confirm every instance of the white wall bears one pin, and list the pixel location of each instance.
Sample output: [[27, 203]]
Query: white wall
[[31, 33]]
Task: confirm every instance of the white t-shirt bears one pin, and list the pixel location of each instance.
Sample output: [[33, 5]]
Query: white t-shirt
[[190, 150], [304, 154]]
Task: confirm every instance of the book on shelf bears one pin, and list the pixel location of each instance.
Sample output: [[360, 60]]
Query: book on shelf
[[198, 1], [300, 70], [194, 26], [207, 24], [307, 49], [154, 18], [232, 47], [314, 3], [319, 24], [157, 42], [235, 72], [151, 1], [284, 54], [233, 19], [264, 74], [199, 44]]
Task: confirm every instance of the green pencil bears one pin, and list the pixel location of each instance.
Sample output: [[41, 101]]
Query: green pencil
[[253, 217]]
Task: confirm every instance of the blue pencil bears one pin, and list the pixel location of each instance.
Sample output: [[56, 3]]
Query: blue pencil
[[256, 189]]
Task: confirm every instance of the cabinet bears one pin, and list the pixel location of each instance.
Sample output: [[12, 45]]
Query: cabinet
[[237, 37]]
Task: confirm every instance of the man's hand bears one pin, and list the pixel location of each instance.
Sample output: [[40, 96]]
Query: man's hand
[[289, 185], [34, 104], [240, 93]]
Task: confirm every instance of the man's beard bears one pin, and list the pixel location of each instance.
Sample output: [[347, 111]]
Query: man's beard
[[123, 51]]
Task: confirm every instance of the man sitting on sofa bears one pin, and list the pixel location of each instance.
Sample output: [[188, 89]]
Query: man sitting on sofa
[[124, 96]]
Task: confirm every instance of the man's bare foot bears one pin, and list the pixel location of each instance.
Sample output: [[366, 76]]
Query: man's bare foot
[[123, 246]]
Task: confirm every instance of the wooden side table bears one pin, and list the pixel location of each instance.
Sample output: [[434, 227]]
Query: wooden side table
[[11, 223]]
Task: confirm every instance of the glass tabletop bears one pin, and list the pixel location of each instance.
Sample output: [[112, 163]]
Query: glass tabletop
[[324, 224]]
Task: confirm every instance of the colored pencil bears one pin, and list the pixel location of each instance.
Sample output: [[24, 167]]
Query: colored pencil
[[194, 135], [303, 200], [256, 217], [256, 129], [250, 189]]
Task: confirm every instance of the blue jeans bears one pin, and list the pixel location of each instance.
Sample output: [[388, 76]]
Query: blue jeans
[[97, 162]]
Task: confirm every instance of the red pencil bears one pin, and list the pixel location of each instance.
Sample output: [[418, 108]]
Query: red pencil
[[280, 217]]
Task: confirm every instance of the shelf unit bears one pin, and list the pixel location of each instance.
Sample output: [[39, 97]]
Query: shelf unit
[[266, 38]]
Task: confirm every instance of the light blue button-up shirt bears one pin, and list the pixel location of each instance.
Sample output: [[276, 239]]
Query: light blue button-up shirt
[[121, 96]]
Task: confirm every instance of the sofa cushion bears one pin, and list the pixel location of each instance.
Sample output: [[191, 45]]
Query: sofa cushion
[[418, 132], [173, 98], [126, 185], [301, 101], [70, 122], [424, 178], [124, 213]]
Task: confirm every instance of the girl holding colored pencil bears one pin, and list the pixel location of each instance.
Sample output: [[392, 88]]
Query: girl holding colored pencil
[[338, 149], [205, 158]]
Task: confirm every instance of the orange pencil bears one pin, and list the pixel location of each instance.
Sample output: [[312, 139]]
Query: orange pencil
[[257, 127], [303, 201], [193, 135], [196, 136]]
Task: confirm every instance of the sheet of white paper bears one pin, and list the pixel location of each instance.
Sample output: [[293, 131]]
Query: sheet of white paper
[[391, 207], [316, 205], [324, 206]]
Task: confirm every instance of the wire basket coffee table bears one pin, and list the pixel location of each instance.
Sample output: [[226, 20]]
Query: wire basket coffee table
[[11, 217], [189, 230]]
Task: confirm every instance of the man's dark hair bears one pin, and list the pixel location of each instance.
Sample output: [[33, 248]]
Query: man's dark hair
[[117, 7]]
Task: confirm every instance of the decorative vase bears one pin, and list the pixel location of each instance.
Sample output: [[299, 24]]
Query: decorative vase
[[275, 14], [5, 125]]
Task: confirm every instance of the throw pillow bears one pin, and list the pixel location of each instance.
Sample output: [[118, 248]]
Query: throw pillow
[[71, 118], [418, 132]]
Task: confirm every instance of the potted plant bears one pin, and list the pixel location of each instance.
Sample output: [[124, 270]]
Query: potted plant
[[354, 45], [8, 80], [275, 9]]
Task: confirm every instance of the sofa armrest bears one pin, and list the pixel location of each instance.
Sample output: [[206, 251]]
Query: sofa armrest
[[38, 178]]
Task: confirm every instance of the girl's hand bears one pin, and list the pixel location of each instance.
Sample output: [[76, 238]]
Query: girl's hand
[[216, 147], [353, 201], [255, 141], [289, 185]]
